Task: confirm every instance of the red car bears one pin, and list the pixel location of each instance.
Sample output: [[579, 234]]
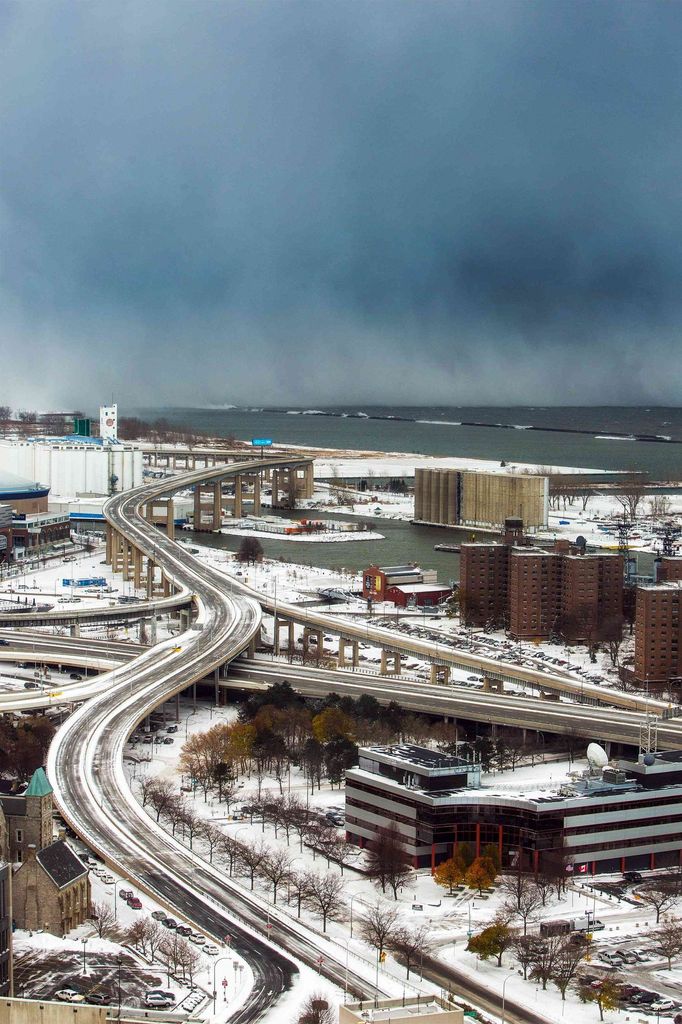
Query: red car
[[134, 903]]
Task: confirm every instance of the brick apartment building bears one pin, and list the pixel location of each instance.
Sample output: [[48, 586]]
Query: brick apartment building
[[534, 593], [668, 568], [657, 633]]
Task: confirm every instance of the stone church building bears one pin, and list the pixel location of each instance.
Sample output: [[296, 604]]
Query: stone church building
[[50, 886]]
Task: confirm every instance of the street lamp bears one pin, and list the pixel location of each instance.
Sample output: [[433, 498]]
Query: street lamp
[[85, 942], [353, 897], [220, 960], [119, 961], [504, 985]]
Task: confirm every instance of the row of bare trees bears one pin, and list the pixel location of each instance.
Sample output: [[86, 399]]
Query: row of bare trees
[[322, 892], [156, 942]]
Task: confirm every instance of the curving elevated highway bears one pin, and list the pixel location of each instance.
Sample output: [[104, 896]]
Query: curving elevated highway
[[97, 613], [85, 758]]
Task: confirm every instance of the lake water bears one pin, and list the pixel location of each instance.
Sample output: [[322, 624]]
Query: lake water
[[434, 431]]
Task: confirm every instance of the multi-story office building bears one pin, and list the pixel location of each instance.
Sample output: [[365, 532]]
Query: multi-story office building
[[534, 593], [625, 816], [658, 643]]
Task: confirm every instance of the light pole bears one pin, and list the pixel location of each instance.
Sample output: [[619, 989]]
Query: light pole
[[119, 961], [353, 897], [504, 985], [220, 960], [85, 942], [345, 979]]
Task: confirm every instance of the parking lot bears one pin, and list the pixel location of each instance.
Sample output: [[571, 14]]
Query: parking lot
[[40, 974]]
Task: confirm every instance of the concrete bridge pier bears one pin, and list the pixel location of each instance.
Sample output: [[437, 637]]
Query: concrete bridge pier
[[75, 629], [309, 632], [185, 619], [355, 652], [207, 507], [440, 675], [238, 489], [396, 663], [137, 568], [280, 624]]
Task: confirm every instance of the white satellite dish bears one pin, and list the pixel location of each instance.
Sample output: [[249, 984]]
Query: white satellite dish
[[597, 756]]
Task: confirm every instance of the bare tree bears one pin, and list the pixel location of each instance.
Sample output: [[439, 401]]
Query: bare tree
[[299, 883], [378, 924], [669, 939], [161, 795], [316, 1010], [211, 836], [528, 902], [660, 893], [526, 951], [388, 862], [569, 957], [250, 551], [410, 944], [633, 489], [325, 894], [276, 868], [102, 919], [189, 961], [252, 856], [545, 958]]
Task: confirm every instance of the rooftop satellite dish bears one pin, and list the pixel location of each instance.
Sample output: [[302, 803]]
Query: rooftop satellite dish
[[597, 756]]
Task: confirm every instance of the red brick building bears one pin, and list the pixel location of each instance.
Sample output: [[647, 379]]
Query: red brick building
[[657, 634], [669, 569], [534, 593]]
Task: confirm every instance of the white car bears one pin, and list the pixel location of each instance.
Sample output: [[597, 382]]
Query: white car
[[211, 950], [158, 1001], [69, 995]]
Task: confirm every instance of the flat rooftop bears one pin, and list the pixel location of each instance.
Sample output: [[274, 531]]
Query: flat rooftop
[[413, 754]]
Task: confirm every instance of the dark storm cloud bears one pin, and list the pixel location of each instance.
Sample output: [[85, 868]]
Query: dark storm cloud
[[315, 202]]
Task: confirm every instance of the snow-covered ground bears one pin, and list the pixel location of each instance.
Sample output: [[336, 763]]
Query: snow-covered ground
[[421, 901]]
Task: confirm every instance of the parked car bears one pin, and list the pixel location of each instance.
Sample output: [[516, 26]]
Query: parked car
[[169, 922], [135, 903], [171, 728], [632, 876], [182, 929], [97, 999], [197, 939], [168, 740], [664, 1004], [4, 643], [158, 1001], [70, 995], [158, 915], [126, 894], [211, 950]]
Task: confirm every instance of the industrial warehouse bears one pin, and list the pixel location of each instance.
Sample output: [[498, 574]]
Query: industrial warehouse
[[453, 497]]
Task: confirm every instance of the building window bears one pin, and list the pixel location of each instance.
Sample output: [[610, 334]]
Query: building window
[[20, 835]]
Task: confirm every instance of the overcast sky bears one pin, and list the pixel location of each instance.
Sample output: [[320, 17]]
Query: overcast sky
[[308, 203]]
